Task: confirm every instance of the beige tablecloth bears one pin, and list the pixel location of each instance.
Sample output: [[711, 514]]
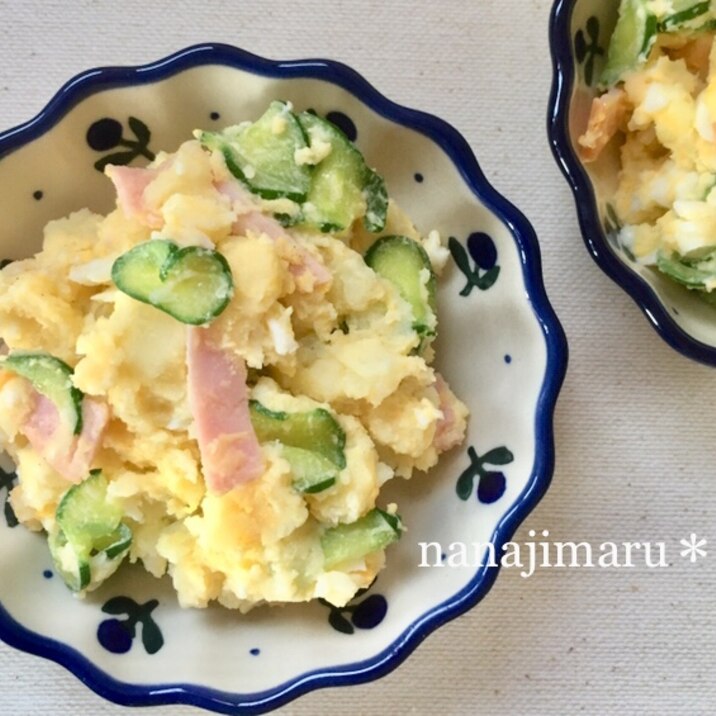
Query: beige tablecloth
[[635, 425]]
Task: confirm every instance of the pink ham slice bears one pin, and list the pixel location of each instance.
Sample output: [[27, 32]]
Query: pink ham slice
[[241, 200], [130, 183], [695, 53], [250, 219], [445, 436], [219, 402], [307, 265], [71, 455], [608, 116]]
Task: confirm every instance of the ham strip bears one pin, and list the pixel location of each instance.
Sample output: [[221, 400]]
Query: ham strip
[[219, 403], [241, 200], [608, 116], [70, 455], [130, 183], [303, 264], [446, 436], [695, 53]]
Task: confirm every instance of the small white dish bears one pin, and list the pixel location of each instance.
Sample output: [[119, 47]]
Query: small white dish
[[580, 31]]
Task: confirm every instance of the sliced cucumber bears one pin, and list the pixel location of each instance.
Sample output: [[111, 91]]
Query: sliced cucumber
[[193, 284], [91, 538], [314, 430], [694, 273], [289, 220], [262, 154], [376, 198], [637, 28], [685, 13], [403, 261], [343, 188], [335, 192], [631, 41], [351, 542], [117, 543], [312, 472], [336, 198], [138, 271], [52, 378], [85, 515], [79, 569], [73, 567], [196, 285]]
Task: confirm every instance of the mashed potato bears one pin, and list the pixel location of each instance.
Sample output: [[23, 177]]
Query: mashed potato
[[317, 329], [663, 108]]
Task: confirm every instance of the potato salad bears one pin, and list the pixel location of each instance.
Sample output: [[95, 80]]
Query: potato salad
[[216, 379], [660, 97]]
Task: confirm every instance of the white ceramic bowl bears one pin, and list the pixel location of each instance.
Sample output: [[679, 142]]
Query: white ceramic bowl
[[579, 37], [501, 347]]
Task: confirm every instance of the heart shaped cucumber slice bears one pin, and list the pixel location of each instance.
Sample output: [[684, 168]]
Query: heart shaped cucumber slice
[[192, 284]]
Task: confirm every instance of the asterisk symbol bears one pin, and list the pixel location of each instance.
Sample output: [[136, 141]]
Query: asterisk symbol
[[694, 548]]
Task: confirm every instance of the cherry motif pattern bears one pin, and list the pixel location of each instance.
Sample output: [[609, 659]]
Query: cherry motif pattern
[[107, 133], [483, 252], [491, 484], [367, 614], [117, 635]]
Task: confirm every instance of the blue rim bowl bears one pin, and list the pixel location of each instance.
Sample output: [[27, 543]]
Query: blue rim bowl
[[455, 146], [595, 238]]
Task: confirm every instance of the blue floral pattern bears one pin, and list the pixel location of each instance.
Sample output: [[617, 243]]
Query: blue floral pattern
[[612, 227], [117, 635], [483, 252], [367, 614], [491, 484], [7, 482], [107, 133], [344, 123], [587, 48]]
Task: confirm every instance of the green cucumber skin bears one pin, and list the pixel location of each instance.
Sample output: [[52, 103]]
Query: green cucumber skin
[[121, 542], [233, 166], [380, 257], [370, 186], [235, 155], [345, 159], [78, 579], [49, 376], [652, 29], [349, 542], [87, 525], [312, 471], [260, 411], [376, 195], [345, 167], [617, 64], [222, 269], [678, 19], [314, 488], [159, 257], [682, 19], [153, 254], [84, 513], [690, 273], [316, 430]]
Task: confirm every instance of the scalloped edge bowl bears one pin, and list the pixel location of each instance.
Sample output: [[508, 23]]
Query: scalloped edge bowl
[[528, 264], [676, 316]]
